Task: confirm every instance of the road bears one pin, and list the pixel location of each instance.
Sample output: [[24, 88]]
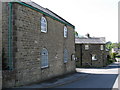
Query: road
[[97, 78]]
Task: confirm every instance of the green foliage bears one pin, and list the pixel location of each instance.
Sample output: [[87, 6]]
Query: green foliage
[[111, 61], [116, 45], [76, 34], [113, 55], [109, 45], [119, 45]]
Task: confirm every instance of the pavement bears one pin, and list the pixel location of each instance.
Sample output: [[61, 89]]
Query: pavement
[[106, 78], [116, 83], [66, 79], [58, 81]]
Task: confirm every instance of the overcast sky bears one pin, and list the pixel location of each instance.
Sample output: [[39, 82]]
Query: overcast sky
[[97, 17]]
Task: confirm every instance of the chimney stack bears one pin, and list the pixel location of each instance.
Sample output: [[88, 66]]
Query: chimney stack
[[88, 35]]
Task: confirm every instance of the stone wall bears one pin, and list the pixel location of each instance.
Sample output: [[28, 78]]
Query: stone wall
[[107, 57], [0, 45], [5, 14], [28, 41], [87, 55], [78, 54]]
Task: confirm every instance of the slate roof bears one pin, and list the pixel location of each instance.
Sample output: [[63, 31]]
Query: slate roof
[[33, 4], [92, 40]]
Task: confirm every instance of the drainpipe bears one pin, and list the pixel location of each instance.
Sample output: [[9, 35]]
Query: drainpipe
[[81, 53], [10, 53]]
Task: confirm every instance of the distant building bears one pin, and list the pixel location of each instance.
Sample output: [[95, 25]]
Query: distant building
[[90, 52], [115, 50], [37, 44]]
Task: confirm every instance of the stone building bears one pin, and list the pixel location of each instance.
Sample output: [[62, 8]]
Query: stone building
[[37, 44], [90, 52], [0, 45]]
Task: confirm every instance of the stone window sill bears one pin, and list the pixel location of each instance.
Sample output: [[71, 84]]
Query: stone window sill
[[44, 67]]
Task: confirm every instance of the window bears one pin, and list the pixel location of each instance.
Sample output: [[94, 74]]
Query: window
[[43, 25], [65, 56], [65, 31], [44, 58], [72, 57], [94, 57], [101, 47], [86, 47]]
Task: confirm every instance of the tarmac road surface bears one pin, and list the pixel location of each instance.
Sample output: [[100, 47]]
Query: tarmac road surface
[[107, 77]]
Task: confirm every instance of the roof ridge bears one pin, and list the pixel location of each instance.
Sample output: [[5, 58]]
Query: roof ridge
[[47, 12], [90, 40]]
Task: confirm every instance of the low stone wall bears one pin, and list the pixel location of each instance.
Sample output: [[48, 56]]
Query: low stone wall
[[8, 79]]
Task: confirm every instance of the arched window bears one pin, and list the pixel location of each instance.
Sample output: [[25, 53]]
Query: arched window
[[44, 58], [65, 31], [43, 24], [65, 56]]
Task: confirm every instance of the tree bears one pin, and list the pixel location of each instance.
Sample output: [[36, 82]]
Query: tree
[[109, 45], [118, 45], [76, 34]]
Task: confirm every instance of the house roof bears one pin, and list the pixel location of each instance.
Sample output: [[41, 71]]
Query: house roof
[[46, 12], [92, 40]]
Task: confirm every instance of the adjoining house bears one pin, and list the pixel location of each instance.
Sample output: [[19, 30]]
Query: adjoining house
[[90, 52], [37, 44]]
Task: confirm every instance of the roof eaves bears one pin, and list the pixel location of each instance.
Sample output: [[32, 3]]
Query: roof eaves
[[60, 17], [36, 9], [88, 43]]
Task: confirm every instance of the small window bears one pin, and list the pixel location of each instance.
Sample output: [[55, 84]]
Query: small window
[[44, 58], [65, 31], [65, 56], [101, 47], [73, 57], [94, 57], [86, 47], [43, 25]]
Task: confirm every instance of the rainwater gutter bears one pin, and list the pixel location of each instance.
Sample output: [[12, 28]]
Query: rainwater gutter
[[29, 6]]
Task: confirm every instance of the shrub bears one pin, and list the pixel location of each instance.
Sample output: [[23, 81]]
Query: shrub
[[113, 55]]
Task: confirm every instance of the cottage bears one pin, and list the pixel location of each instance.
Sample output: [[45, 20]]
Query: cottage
[[90, 52], [37, 44]]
